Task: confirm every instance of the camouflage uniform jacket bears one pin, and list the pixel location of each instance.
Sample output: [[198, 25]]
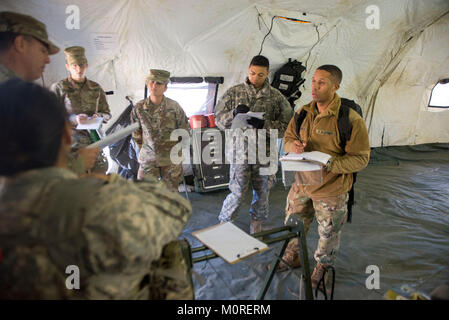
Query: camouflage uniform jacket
[[6, 74], [111, 230], [87, 97], [278, 111], [156, 126]]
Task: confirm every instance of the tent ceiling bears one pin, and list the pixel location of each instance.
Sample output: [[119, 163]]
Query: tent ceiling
[[384, 70]]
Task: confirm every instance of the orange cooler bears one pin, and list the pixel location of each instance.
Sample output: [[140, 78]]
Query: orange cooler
[[198, 121], [210, 120]]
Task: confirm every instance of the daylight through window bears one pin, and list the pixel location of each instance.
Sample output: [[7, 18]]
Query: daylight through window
[[439, 97]]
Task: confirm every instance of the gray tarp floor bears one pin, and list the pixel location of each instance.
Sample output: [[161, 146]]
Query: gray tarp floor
[[400, 224]]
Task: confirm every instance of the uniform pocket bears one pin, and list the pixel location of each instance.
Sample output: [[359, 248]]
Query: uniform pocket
[[341, 210]]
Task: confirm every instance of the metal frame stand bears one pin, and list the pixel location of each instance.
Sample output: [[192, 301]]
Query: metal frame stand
[[295, 228], [321, 286], [185, 186]]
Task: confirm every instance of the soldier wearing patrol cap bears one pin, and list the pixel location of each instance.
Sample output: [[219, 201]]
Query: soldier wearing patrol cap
[[83, 99], [24, 47], [158, 116], [24, 52]]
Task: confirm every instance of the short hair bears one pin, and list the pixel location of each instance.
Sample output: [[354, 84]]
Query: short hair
[[32, 122], [6, 40], [335, 72], [260, 61]]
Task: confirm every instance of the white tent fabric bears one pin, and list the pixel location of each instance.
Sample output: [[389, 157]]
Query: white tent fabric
[[389, 71]]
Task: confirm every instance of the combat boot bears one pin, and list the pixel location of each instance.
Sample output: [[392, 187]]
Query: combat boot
[[317, 275], [255, 227], [291, 257]]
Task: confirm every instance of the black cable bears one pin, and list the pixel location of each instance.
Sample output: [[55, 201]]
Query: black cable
[[269, 31], [322, 281], [316, 29]]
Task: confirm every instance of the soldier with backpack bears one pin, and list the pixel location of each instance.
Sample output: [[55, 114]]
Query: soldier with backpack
[[256, 95], [328, 124]]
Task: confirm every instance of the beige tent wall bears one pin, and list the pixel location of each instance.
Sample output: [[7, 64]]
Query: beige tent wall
[[388, 74], [401, 115]]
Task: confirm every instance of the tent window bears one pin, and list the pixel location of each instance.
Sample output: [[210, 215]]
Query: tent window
[[196, 95], [439, 97], [194, 98]]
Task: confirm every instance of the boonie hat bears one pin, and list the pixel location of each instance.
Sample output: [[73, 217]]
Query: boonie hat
[[26, 25]]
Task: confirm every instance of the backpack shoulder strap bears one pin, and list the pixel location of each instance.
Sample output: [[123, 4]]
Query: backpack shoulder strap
[[299, 119], [344, 125], [345, 130]]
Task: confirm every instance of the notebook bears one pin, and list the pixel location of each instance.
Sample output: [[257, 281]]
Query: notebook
[[306, 161]]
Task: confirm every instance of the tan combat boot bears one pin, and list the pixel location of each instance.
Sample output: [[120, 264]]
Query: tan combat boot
[[291, 256], [255, 226]]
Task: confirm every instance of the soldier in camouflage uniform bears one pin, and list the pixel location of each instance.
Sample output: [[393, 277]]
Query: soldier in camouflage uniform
[[24, 51], [24, 47], [256, 95], [82, 98], [327, 201], [111, 229], [158, 116]]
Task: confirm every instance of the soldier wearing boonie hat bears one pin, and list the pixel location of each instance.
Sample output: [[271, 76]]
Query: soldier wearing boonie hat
[[158, 116], [83, 98], [24, 51], [26, 62]]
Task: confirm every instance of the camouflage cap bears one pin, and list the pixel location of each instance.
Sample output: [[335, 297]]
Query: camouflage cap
[[75, 55], [159, 76], [26, 25]]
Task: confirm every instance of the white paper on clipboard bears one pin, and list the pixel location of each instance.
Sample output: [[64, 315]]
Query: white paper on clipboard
[[91, 124], [230, 242]]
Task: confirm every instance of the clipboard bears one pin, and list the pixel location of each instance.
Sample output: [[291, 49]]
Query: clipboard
[[230, 242]]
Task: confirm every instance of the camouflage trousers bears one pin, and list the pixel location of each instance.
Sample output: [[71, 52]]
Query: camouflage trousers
[[241, 175], [330, 214], [171, 175]]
